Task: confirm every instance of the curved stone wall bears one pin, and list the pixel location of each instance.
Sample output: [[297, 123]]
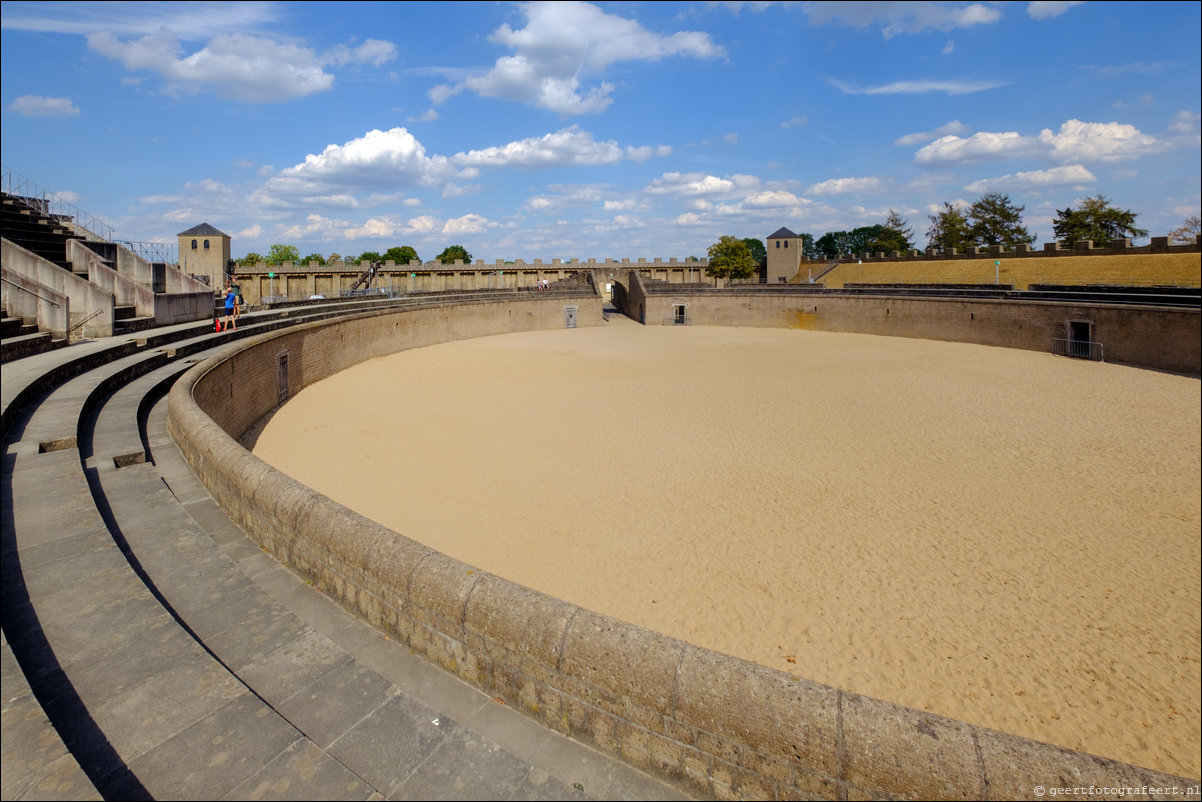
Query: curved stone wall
[[716, 725]]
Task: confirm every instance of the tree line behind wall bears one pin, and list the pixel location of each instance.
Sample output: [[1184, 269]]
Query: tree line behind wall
[[398, 255], [993, 219]]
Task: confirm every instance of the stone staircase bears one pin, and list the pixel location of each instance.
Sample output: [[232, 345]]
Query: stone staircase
[[127, 321], [20, 338]]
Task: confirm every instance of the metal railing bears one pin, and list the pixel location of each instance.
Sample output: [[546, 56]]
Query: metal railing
[[31, 292], [1081, 349], [51, 205], [153, 251], [85, 320], [678, 320]]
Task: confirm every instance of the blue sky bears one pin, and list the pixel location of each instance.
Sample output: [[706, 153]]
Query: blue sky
[[594, 130]]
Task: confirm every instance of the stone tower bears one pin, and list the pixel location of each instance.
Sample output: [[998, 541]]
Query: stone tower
[[784, 255], [204, 252]]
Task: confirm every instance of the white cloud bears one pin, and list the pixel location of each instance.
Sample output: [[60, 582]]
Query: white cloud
[[379, 158], [453, 190], [422, 225], [38, 106], [196, 21], [953, 127], [373, 51], [559, 43], [1076, 141], [1185, 122], [468, 224], [1107, 142], [842, 186], [688, 219], [982, 146], [568, 146], [731, 138], [1046, 9], [427, 116], [579, 193], [899, 18], [1074, 175], [620, 205], [254, 232], [686, 184], [374, 228], [443, 92], [920, 87], [793, 122], [314, 227], [237, 66], [772, 199]]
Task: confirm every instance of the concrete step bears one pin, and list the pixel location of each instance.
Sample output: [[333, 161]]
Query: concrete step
[[15, 327], [23, 345], [130, 325]]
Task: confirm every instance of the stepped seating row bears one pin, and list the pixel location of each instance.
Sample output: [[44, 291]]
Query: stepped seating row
[[19, 338], [34, 231], [166, 656]]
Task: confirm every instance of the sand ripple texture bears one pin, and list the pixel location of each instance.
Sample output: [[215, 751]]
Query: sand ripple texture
[[1004, 537]]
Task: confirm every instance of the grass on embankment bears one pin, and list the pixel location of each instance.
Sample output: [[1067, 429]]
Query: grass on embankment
[[1140, 270]]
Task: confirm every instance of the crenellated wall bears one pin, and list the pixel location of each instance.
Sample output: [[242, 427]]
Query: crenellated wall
[[296, 281], [716, 725]]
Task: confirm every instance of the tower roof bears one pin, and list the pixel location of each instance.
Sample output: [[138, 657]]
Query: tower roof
[[783, 233], [202, 230]]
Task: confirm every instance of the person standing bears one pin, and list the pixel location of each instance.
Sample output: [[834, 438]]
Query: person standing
[[239, 301], [230, 302]]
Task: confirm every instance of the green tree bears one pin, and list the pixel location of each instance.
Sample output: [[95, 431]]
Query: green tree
[[314, 257], [282, 253], [808, 249], [949, 229], [1095, 220], [400, 255], [730, 258], [833, 243], [335, 257], [865, 239], [759, 252], [369, 256], [454, 252], [997, 221], [250, 260], [1187, 233], [894, 236]]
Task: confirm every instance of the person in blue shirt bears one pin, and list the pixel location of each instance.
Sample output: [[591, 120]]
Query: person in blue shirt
[[231, 298]]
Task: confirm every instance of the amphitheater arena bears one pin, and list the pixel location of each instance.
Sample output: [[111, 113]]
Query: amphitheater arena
[[715, 724]]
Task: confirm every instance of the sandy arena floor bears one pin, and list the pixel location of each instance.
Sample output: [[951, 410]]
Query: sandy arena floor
[[1004, 537]]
